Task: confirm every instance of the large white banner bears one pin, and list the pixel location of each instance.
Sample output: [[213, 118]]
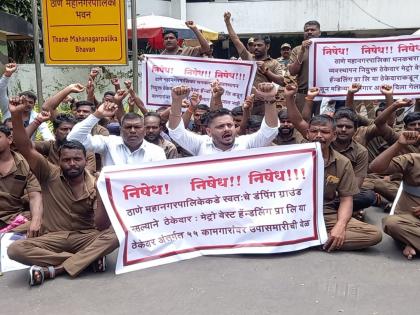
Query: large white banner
[[265, 200], [336, 63], [161, 72]]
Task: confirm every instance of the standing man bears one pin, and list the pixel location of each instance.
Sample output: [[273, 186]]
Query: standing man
[[299, 61], [284, 59], [269, 70], [170, 43], [77, 234]]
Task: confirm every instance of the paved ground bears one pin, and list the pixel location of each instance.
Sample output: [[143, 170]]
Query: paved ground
[[375, 281]]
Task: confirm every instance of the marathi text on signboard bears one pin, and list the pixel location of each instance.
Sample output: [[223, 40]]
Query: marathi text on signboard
[[84, 32]]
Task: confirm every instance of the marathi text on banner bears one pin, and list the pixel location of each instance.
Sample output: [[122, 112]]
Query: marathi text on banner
[[334, 64], [161, 73], [264, 200]]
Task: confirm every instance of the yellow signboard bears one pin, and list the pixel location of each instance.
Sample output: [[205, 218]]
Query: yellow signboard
[[84, 32]]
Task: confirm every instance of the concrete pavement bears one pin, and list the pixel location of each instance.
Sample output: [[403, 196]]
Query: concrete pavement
[[375, 281]]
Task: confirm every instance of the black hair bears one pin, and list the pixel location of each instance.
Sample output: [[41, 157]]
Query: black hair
[[381, 108], [316, 23], [264, 38], [348, 113], [254, 121], [72, 145], [6, 130], [85, 103], [282, 114], [166, 32], [217, 113], [7, 120], [161, 109], [410, 117], [203, 107], [112, 93], [63, 118], [153, 114], [322, 120], [237, 111], [130, 116], [28, 94]]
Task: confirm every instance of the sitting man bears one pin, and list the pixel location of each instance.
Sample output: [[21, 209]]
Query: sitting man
[[29, 116], [287, 132], [62, 125], [129, 148], [404, 225], [17, 180], [153, 135], [221, 132], [344, 232], [76, 234]]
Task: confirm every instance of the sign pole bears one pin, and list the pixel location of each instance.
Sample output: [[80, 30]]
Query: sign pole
[[36, 51], [134, 46]]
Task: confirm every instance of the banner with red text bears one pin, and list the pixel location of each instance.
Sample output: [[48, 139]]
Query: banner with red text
[[336, 63], [161, 72], [265, 200]]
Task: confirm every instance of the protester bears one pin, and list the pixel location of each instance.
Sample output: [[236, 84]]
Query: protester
[[299, 61], [221, 132], [129, 148], [170, 43], [71, 241], [153, 135], [404, 225], [29, 115], [344, 232], [20, 193]]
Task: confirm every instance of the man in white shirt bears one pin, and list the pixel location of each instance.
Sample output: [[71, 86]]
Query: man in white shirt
[[29, 116], [221, 132], [129, 148]]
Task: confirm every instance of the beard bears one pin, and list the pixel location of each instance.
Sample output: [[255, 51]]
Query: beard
[[73, 172]]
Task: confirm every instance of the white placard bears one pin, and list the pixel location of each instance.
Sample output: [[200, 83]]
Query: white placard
[[336, 63], [161, 72], [264, 200]]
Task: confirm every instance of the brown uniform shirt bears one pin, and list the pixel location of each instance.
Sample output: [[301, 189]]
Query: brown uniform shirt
[[409, 166], [296, 138], [272, 64], [339, 180], [49, 149], [302, 76], [367, 136], [13, 186], [62, 211], [393, 137], [185, 51], [170, 149], [358, 156]]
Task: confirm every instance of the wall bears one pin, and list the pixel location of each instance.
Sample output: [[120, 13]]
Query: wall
[[288, 16]]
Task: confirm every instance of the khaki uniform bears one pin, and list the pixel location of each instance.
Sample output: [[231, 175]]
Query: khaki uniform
[[403, 225], [71, 240], [102, 131], [271, 64], [302, 76], [185, 51], [170, 149], [296, 138], [49, 149], [358, 156], [339, 181], [367, 136], [14, 187]]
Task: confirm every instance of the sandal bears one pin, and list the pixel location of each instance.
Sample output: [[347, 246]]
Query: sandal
[[99, 265], [37, 269]]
